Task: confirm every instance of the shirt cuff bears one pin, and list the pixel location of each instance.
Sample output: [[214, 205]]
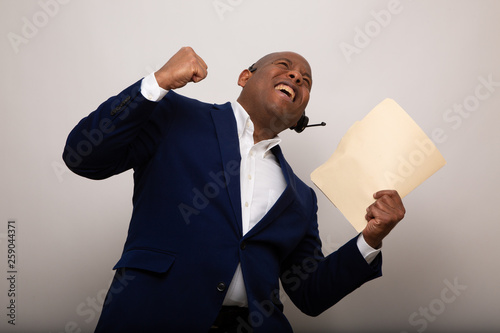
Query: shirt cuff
[[368, 252], [151, 90]]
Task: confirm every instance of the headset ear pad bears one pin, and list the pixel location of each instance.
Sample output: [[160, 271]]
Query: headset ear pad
[[301, 124]]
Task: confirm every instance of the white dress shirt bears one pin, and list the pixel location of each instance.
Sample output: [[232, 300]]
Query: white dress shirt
[[261, 179], [261, 182]]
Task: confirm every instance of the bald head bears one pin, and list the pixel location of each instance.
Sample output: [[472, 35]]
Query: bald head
[[269, 58]]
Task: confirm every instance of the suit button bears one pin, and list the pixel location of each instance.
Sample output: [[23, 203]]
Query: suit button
[[243, 245], [221, 286]]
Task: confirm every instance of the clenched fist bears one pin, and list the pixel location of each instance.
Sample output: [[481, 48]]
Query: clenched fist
[[382, 216], [185, 66]]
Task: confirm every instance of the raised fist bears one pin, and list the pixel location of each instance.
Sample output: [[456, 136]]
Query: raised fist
[[184, 66]]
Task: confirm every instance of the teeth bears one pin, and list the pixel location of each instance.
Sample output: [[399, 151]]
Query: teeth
[[287, 90]]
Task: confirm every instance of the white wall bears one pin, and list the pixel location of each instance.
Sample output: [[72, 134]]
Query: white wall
[[59, 62]]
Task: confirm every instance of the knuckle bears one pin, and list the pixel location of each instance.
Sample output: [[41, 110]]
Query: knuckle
[[402, 212]]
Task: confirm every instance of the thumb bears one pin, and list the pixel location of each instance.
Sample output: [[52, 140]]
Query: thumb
[[198, 77]]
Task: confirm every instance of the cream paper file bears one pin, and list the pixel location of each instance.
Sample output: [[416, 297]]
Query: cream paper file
[[385, 150]]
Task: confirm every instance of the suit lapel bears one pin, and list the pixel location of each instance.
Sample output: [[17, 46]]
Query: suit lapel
[[227, 134], [286, 198]]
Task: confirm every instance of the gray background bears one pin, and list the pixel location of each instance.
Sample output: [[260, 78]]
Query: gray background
[[61, 59]]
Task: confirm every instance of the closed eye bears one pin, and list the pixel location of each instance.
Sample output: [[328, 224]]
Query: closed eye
[[286, 64], [283, 64]]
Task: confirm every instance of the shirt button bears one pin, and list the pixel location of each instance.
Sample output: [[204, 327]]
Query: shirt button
[[246, 204], [250, 177], [221, 286]]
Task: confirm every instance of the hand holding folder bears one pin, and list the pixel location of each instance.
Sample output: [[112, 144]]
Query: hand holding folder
[[385, 150]]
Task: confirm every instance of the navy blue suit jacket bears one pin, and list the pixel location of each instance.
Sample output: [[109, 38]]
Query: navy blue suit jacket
[[185, 238]]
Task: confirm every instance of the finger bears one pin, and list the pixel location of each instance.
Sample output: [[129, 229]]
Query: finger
[[201, 70], [384, 212], [386, 203], [370, 211], [201, 61], [199, 73], [381, 213], [375, 213], [197, 78], [391, 197], [393, 194], [368, 215]]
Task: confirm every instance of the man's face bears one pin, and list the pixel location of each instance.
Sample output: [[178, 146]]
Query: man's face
[[277, 92]]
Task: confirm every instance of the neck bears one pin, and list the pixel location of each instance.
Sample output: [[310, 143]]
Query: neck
[[264, 128], [261, 134]]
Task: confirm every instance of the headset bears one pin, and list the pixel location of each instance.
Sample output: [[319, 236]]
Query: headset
[[303, 122]]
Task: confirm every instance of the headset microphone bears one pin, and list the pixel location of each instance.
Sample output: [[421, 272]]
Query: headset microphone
[[320, 124], [303, 123]]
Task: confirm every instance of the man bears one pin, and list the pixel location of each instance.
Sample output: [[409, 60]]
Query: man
[[219, 216]]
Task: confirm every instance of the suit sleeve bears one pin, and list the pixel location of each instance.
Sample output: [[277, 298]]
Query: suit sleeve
[[314, 282], [113, 138]]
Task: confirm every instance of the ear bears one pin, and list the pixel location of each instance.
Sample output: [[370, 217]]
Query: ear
[[244, 77]]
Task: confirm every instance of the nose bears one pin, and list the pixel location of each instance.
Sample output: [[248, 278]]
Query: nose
[[295, 76]]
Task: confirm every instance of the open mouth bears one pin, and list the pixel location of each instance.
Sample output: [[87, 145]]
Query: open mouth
[[286, 90]]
